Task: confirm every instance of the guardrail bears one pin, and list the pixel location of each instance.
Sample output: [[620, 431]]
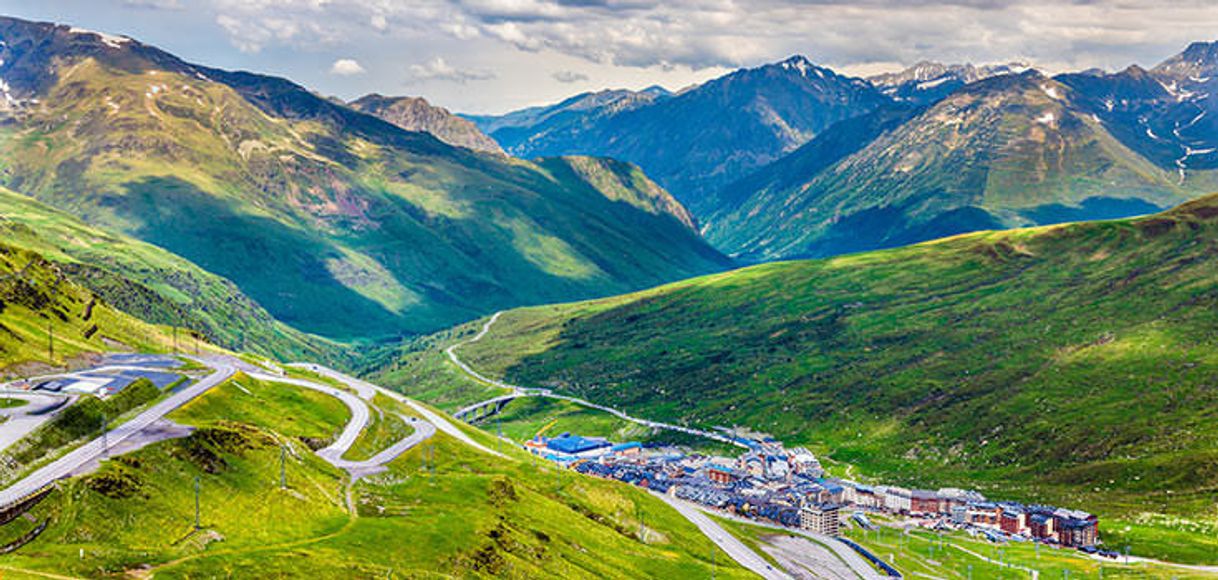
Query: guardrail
[[864, 552], [16, 509]]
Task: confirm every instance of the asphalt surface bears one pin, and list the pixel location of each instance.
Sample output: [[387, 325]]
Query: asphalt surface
[[64, 466], [730, 545]]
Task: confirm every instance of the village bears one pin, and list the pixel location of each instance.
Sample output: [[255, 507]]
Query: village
[[788, 487]]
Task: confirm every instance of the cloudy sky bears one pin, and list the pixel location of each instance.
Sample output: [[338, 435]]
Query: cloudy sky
[[498, 55]]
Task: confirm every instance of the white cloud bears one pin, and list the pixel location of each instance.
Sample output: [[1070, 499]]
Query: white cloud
[[437, 69], [569, 76], [346, 67]]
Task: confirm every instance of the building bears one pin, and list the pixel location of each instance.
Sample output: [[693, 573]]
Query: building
[[1078, 533], [821, 518], [804, 462], [866, 496], [1013, 521], [720, 474], [898, 500], [1040, 526], [985, 514], [569, 444], [632, 448], [924, 502], [959, 515]]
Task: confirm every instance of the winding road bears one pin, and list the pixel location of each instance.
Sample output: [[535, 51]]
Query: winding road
[[518, 391], [368, 390]]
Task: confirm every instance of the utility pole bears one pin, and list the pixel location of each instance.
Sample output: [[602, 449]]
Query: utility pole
[[175, 339], [50, 341], [197, 526], [283, 470], [713, 560], [105, 436]]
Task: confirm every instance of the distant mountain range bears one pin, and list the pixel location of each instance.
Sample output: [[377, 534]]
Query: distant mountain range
[[336, 221], [934, 150], [1008, 151], [927, 82], [700, 139]]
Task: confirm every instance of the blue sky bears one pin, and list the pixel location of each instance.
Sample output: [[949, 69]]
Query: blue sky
[[498, 55]]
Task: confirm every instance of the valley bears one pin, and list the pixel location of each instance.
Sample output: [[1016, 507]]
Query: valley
[[947, 320]]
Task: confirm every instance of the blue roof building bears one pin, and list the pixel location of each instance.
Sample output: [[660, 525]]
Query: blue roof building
[[574, 444]]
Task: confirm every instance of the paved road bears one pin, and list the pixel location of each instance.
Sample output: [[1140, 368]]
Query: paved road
[[451, 351], [730, 545], [436, 420], [518, 391], [64, 466], [360, 417], [24, 419]]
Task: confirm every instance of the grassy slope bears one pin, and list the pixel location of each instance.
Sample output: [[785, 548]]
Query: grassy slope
[[336, 222], [477, 516], [150, 283], [36, 299], [1069, 364]]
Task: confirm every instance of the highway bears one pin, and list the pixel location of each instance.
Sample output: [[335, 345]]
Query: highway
[[222, 370]]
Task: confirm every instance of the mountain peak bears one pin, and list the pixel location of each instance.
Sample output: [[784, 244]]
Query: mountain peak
[[802, 65], [416, 114], [1198, 61]]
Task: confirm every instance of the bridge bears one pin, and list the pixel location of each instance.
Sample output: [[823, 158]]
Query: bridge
[[482, 410]]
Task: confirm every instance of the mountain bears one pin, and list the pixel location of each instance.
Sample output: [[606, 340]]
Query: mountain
[[337, 222], [416, 114], [1008, 151], [1168, 113], [1071, 361], [702, 138], [151, 284], [928, 82]]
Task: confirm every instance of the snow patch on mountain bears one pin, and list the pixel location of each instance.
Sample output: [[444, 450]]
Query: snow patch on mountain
[[111, 40]]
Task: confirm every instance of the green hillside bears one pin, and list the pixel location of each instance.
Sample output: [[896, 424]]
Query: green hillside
[[338, 223], [475, 516], [1009, 151], [152, 284], [48, 319], [1072, 364]]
